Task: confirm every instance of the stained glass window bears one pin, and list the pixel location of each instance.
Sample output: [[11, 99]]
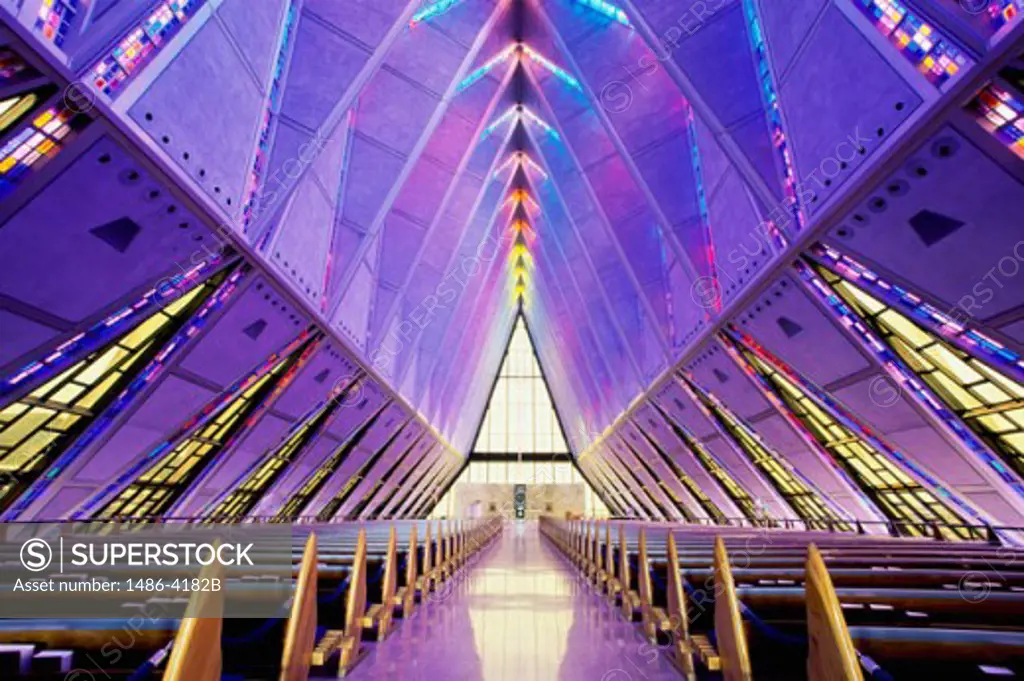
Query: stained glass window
[[316, 480], [989, 402], [899, 496], [691, 486], [39, 140], [733, 489], [141, 44], [327, 513], [14, 69], [520, 416], [920, 43], [244, 498], [37, 427], [165, 481], [797, 493], [999, 109]]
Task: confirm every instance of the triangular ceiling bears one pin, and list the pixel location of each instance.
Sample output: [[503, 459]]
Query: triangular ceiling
[[491, 153], [411, 156]]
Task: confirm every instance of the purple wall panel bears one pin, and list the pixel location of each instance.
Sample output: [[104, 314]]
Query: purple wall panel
[[816, 348], [300, 250], [788, 29], [421, 197], [18, 336], [352, 416], [668, 173], [221, 147], [394, 111], [677, 404], [258, 324], [256, 29], [826, 103], [368, 21], [351, 318], [378, 169], [450, 139], [715, 371], [960, 268], [325, 61], [741, 249], [427, 57], [93, 273]]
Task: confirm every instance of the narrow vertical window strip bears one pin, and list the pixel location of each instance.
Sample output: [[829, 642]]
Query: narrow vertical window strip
[[242, 495], [880, 481], [802, 495], [705, 213], [250, 208], [981, 405], [847, 419], [318, 478], [212, 423], [770, 99], [42, 431], [714, 467]]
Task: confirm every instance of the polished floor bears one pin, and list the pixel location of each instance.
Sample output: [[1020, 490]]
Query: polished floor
[[517, 614]]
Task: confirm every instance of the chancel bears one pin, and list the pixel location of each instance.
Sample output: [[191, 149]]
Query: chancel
[[544, 340]]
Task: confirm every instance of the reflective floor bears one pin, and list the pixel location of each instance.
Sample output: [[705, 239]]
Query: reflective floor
[[518, 614]]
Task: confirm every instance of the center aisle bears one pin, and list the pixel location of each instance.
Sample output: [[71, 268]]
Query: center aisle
[[518, 614]]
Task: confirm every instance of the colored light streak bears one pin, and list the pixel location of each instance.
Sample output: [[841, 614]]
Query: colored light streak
[[518, 112], [522, 227], [1000, 111], [269, 111], [141, 44], [771, 102], [521, 197], [520, 159], [528, 114], [154, 370], [513, 112], [555, 69], [481, 72], [38, 140], [899, 371], [431, 11], [930, 52], [519, 251], [196, 421], [962, 336], [705, 215], [54, 19], [607, 9]]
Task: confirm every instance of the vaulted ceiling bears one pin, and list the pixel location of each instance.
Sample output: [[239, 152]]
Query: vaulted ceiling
[[636, 176]]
